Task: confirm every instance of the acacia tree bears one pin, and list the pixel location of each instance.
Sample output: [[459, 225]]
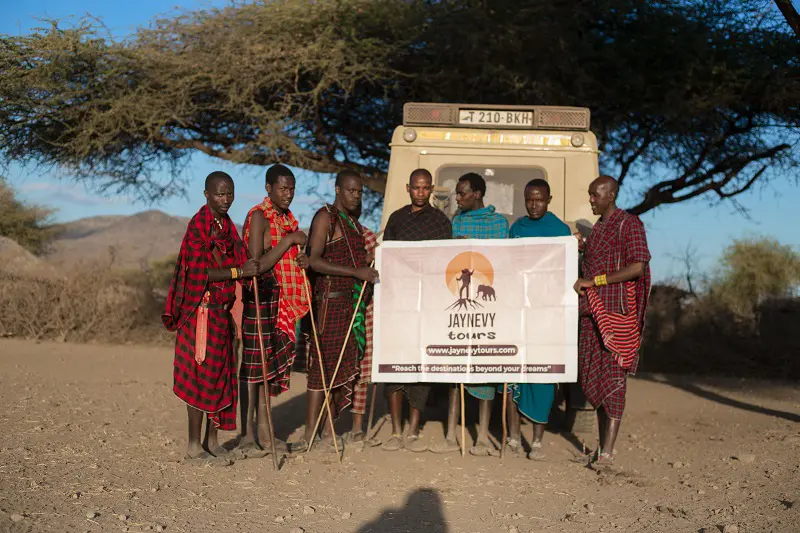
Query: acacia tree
[[693, 88], [790, 13]]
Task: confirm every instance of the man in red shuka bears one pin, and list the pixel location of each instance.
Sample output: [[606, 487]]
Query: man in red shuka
[[613, 300], [201, 295]]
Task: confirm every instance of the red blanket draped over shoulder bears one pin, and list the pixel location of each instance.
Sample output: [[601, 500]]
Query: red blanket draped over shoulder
[[293, 303], [209, 386]]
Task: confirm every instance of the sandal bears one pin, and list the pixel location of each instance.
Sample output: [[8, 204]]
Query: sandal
[[536, 453], [394, 444], [601, 461], [414, 444], [371, 443], [224, 453], [513, 448], [206, 459], [326, 446], [298, 446], [350, 437], [481, 449], [447, 446]]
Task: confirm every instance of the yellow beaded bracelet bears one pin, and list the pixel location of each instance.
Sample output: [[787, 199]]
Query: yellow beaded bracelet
[[600, 280], [234, 273]]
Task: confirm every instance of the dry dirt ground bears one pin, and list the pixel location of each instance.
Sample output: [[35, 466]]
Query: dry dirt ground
[[92, 440]]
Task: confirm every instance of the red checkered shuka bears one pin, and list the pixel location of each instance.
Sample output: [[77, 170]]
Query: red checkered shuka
[[210, 386], [360, 394], [293, 303], [613, 315]]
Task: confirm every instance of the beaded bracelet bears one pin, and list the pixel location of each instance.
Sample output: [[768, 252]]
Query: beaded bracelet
[[600, 280], [234, 273]]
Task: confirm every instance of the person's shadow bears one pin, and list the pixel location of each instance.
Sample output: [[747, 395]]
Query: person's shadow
[[422, 512]]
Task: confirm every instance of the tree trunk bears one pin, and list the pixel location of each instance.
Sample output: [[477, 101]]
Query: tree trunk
[[790, 14]]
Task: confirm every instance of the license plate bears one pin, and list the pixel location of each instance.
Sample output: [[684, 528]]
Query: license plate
[[488, 117]]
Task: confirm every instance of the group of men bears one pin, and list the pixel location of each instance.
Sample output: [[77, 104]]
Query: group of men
[[274, 261]]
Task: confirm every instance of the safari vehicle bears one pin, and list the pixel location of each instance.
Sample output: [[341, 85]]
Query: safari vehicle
[[507, 145]]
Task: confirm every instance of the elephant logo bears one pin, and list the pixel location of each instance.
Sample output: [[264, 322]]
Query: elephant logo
[[486, 293]]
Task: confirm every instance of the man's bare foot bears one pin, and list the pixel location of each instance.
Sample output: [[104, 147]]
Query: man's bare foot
[[446, 446], [513, 447], [350, 437], [394, 443], [414, 444], [222, 451], [481, 449], [298, 446], [325, 444], [536, 453], [602, 461]]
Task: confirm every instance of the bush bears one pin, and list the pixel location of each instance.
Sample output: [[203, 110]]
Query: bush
[[738, 324], [754, 271], [93, 302], [29, 226]]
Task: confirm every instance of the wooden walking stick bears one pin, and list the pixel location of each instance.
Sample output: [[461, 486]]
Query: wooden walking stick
[[339, 362], [321, 367], [267, 404], [505, 428], [463, 426]]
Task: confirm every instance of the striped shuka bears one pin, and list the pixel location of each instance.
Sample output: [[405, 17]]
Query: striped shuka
[[612, 316], [359, 406]]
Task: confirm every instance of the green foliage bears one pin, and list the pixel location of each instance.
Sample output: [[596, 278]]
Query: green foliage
[[705, 90], [754, 271], [28, 225], [738, 324]]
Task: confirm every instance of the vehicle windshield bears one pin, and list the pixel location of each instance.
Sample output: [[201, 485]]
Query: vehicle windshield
[[505, 187]]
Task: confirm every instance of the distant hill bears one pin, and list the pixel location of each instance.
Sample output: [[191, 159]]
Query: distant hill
[[136, 239], [20, 263]]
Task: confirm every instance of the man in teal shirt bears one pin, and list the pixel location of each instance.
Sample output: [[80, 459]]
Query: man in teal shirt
[[533, 400], [474, 221]]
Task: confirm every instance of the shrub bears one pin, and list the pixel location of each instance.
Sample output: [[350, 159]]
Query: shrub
[[30, 226], [92, 302]]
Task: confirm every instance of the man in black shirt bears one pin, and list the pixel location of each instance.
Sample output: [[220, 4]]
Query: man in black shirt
[[418, 221]]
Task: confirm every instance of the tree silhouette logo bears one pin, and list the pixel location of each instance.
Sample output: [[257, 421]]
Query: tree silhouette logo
[[470, 276]]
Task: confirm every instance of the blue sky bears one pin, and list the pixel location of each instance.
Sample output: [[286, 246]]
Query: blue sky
[[704, 227]]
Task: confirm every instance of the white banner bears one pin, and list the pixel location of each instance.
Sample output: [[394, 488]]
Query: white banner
[[476, 311]]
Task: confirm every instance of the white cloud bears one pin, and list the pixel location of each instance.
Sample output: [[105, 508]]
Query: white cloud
[[71, 193]]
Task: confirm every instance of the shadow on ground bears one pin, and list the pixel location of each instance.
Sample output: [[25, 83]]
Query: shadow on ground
[[422, 512], [693, 386]]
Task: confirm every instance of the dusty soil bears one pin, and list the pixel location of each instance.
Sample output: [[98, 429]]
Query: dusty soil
[[92, 440]]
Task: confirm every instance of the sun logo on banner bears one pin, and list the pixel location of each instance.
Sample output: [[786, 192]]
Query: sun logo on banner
[[470, 276]]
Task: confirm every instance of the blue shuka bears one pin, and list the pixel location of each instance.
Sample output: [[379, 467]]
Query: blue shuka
[[534, 400]]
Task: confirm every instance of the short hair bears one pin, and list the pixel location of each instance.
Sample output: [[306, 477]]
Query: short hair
[[539, 182], [277, 171], [420, 172], [476, 182], [344, 174], [216, 176]]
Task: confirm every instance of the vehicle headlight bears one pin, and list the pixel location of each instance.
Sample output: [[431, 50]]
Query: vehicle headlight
[[577, 140], [409, 135]]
